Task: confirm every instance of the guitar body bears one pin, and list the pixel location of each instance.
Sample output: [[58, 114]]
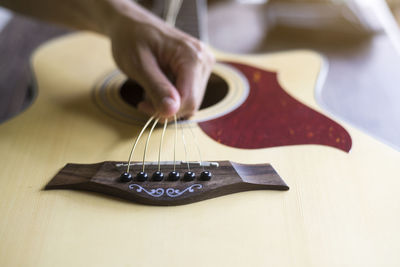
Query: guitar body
[[342, 209]]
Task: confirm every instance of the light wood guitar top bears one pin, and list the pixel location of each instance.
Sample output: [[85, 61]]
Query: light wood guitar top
[[342, 209]]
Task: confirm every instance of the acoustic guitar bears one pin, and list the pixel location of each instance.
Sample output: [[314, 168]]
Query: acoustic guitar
[[342, 208]]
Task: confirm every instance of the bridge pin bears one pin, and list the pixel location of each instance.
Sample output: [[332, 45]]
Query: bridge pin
[[125, 177], [141, 176], [173, 176], [158, 176], [189, 176], [205, 176]]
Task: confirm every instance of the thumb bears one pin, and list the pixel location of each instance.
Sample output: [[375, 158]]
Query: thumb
[[163, 95]]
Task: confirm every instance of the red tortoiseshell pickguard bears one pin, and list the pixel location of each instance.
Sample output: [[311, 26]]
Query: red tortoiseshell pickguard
[[270, 117]]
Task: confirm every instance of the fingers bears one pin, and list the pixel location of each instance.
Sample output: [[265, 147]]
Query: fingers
[[192, 78], [163, 48], [162, 96], [191, 67], [191, 88]]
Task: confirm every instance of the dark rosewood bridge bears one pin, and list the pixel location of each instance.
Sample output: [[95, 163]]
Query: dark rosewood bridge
[[227, 178]]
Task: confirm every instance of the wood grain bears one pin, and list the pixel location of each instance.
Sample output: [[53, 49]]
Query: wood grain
[[344, 204], [228, 178]]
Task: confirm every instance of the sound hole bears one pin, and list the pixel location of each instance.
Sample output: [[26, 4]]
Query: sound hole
[[132, 93]]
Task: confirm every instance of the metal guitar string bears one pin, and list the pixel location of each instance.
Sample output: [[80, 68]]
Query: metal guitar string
[[176, 137], [161, 142], [184, 146], [147, 143], [197, 146], [170, 17], [136, 142], [173, 7]]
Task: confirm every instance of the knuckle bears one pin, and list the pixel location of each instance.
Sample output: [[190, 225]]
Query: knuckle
[[190, 50], [195, 49], [198, 46]]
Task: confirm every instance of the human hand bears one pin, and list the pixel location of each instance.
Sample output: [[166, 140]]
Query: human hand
[[150, 52]]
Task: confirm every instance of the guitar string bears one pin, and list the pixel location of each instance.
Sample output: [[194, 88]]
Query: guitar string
[[172, 11], [184, 146], [197, 146], [175, 140], [161, 142], [136, 142], [170, 18], [147, 143]]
